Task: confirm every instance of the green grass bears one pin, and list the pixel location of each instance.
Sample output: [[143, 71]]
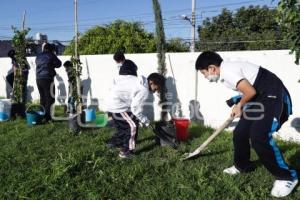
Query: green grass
[[47, 162]]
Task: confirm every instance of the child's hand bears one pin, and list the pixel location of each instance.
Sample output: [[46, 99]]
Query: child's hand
[[146, 124], [236, 111]]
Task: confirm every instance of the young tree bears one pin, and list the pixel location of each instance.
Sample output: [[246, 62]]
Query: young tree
[[160, 45], [19, 86]]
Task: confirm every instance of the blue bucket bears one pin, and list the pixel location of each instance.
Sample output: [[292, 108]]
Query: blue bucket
[[35, 116], [5, 109], [3, 116], [90, 115]]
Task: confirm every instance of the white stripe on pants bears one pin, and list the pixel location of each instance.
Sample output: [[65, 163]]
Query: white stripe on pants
[[132, 130]]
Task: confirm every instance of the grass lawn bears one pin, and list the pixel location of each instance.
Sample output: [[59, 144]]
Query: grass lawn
[[47, 162]]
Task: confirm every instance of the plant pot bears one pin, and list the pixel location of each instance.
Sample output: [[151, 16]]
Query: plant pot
[[35, 114], [5, 109], [165, 133], [18, 110], [74, 120]]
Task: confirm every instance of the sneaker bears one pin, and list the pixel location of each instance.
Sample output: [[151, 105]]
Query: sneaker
[[283, 188], [125, 154], [231, 170]]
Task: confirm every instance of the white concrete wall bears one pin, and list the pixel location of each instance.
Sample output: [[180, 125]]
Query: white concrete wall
[[211, 96]]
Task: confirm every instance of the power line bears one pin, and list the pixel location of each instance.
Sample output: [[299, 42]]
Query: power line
[[230, 4], [150, 14], [172, 22], [241, 41]]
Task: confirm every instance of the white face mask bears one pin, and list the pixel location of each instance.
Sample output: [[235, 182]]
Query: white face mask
[[213, 77], [119, 65]]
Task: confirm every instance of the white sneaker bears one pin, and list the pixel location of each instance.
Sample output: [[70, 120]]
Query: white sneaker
[[283, 188], [231, 170], [126, 154]]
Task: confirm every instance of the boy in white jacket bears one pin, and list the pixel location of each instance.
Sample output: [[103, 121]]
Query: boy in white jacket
[[125, 101]]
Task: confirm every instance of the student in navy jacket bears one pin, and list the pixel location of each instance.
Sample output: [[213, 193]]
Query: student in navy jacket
[[46, 62]]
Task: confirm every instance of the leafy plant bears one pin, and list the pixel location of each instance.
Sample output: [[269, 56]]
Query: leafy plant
[[34, 107], [19, 45], [75, 72], [290, 18]]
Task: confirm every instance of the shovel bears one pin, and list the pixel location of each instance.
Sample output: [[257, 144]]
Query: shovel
[[208, 141]]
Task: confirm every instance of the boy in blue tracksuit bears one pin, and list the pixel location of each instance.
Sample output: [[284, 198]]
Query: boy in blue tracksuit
[[264, 91]]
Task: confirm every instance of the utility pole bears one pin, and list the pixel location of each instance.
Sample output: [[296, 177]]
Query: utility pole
[[23, 21], [193, 22], [193, 26], [76, 29]]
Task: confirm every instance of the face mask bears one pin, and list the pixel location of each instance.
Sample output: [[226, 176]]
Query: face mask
[[119, 65], [213, 78]]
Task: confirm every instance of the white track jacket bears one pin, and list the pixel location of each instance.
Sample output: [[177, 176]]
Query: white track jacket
[[128, 93]]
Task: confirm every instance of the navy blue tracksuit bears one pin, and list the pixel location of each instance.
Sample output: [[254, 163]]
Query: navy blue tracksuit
[[272, 94], [46, 62], [127, 130]]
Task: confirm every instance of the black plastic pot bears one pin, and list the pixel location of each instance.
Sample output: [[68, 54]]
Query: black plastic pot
[[18, 110], [165, 133], [74, 122]]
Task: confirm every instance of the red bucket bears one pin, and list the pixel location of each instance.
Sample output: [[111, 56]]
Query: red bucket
[[182, 126]]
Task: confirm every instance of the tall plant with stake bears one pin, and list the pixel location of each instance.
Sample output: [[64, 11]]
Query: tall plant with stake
[[77, 64], [160, 45], [74, 77], [19, 44], [75, 82], [290, 18]]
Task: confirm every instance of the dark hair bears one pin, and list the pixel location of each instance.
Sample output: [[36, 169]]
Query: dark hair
[[119, 56], [68, 64], [11, 54], [47, 47], [53, 48], [157, 79], [128, 68], [207, 58]]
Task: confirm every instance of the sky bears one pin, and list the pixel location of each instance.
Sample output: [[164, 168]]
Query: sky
[[56, 17]]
